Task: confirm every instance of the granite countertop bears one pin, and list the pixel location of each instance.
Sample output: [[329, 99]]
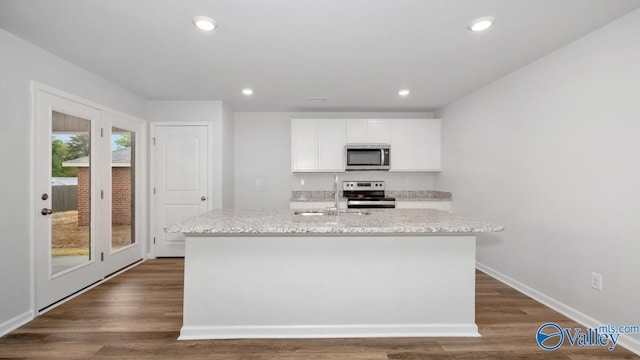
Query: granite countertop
[[411, 195], [380, 221]]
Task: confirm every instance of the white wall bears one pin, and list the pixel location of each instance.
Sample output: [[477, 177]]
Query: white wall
[[21, 62], [552, 151], [263, 156], [228, 167]]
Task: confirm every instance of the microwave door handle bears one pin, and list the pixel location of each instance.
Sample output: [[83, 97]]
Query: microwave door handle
[[382, 153]]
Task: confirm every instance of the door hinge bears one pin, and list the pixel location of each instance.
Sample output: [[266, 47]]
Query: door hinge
[[101, 194], [101, 132], [153, 140], [154, 240], [154, 191], [101, 256]]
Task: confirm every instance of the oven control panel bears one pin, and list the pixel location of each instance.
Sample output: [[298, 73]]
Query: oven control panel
[[363, 185]]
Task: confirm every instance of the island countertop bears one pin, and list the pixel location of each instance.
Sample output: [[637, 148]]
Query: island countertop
[[380, 221]]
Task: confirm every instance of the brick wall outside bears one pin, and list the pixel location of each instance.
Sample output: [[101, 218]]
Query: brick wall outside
[[121, 196], [83, 197], [121, 211]]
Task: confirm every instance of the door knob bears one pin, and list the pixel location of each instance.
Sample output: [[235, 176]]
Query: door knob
[[46, 211], [204, 198]]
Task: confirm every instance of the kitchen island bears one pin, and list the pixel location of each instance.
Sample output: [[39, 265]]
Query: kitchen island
[[275, 274]]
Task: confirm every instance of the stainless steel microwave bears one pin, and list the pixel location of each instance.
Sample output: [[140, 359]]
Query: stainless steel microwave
[[367, 157]]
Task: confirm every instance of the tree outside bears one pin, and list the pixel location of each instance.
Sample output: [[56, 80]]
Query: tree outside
[[123, 141], [65, 147]]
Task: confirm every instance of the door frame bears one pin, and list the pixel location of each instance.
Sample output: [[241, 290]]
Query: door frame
[[153, 125], [35, 87]]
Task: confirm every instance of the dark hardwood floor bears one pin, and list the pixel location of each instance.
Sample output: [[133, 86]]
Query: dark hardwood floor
[[138, 315]]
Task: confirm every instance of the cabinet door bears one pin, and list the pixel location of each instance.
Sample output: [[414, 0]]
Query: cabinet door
[[368, 131], [430, 144], [378, 131], [404, 155], [416, 145], [356, 131], [331, 141], [304, 145]]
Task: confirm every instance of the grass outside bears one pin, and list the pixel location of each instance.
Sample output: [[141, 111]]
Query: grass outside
[[70, 239]]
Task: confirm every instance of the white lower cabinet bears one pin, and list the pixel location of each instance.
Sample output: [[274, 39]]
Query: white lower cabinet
[[416, 145], [317, 145]]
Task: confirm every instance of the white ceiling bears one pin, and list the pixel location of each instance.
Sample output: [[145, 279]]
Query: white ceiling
[[358, 53]]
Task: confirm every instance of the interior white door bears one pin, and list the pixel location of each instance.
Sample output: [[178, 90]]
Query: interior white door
[[181, 179], [67, 253]]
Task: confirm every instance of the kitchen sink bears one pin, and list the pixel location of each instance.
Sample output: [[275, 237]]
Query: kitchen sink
[[312, 213], [325, 212], [355, 212]]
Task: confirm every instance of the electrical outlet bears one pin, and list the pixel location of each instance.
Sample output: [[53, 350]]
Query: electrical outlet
[[596, 281], [302, 182], [258, 181]]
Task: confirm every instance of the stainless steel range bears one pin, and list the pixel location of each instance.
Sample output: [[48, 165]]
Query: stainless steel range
[[366, 195]]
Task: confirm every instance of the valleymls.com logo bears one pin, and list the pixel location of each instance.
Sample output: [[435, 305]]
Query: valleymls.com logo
[[551, 336]]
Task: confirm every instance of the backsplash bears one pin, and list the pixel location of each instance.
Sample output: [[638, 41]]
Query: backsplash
[[394, 181], [317, 195], [325, 195], [420, 194]]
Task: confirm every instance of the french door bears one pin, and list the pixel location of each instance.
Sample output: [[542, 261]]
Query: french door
[[88, 166], [124, 200]]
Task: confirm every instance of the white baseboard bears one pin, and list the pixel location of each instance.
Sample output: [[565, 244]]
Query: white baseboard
[[15, 323], [327, 331], [625, 340]]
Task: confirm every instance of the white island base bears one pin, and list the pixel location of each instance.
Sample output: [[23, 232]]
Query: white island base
[[338, 286]]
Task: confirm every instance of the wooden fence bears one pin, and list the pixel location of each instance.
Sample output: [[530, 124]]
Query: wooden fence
[[64, 197]]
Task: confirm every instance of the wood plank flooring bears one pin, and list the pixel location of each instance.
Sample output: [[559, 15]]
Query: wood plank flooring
[[138, 315]]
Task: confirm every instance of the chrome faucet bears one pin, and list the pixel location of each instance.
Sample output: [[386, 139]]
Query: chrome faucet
[[336, 205], [337, 190]]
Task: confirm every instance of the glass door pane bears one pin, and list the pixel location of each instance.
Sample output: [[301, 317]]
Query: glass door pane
[[70, 192], [122, 188]]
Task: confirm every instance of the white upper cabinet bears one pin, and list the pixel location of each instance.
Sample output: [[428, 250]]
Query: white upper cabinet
[[317, 145], [416, 144], [304, 145], [331, 141], [368, 131]]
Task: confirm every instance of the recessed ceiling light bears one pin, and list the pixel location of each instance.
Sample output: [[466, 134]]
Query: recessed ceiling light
[[404, 92], [205, 23], [247, 91], [482, 23]]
